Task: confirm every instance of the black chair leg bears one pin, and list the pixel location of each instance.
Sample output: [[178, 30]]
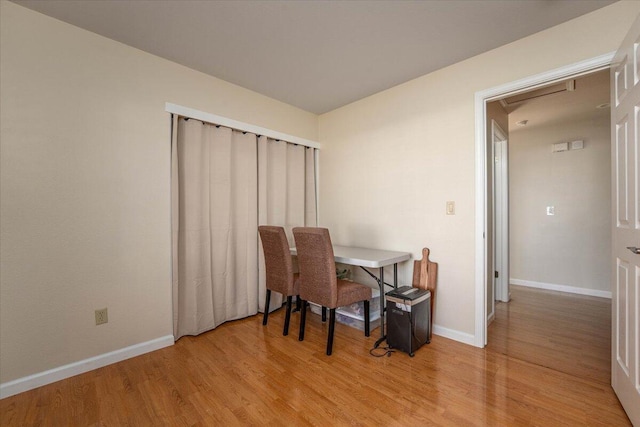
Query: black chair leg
[[332, 324], [366, 319], [287, 317], [298, 303], [303, 319], [266, 307], [324, 314]]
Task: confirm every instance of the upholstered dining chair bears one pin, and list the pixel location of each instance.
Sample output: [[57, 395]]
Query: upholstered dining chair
[[279, 270], [318, 281]]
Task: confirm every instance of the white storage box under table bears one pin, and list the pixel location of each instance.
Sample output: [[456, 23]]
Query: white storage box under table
[[353, 315]]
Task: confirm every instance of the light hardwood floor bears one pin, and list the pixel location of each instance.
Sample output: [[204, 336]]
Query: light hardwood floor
[[245, 374], [565, 332]]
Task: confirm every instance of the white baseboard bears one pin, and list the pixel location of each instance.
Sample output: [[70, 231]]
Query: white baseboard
[[47, 377], [561, 288], [454, 335], [491, 318]]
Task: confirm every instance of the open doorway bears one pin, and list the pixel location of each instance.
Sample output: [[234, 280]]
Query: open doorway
[[559, 186], [557, 224], [483, 197]]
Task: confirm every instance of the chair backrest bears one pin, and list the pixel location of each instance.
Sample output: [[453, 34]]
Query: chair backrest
[[317, 266], [277, 259]]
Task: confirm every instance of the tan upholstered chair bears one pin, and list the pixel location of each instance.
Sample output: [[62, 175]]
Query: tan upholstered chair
[[318, 282], [279, 269]]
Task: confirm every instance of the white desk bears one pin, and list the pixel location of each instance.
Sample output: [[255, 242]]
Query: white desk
[[371, 258]]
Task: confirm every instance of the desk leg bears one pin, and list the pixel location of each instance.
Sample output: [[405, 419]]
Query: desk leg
[[395, 275], [383, 300], [382, 303]]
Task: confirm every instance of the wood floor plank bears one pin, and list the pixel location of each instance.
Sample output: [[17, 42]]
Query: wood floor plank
[[547, 363]]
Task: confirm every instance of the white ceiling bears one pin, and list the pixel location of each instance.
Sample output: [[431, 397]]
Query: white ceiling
[[316, 55]]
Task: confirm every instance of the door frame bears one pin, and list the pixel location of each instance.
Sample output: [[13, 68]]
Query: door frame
[[500, 202], [481, 146]]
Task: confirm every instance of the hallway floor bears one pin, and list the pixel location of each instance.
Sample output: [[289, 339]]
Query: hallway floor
[[566, 332]]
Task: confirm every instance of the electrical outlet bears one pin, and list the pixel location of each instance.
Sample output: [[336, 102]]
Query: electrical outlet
[[101, 316]]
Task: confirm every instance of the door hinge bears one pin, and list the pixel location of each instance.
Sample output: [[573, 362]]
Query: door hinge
[[497, 275]]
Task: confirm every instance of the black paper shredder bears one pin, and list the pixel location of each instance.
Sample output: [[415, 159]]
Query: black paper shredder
[[408, 318]]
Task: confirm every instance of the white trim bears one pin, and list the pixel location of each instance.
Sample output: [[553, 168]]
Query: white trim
[[491, 318], [56, 374], [480, 101], [234, 124], [561, 288], [501, 213], [481, 222], [533, 82], [452, 334]]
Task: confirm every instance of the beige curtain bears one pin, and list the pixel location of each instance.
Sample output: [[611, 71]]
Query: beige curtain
[[287, 195], [311, 189], [223, 184], [214, 221]]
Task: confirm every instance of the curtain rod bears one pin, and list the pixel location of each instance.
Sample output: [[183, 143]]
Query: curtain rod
[[190, 113], [244, 132]]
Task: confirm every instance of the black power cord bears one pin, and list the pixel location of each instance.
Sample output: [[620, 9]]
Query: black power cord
[[386, 350]]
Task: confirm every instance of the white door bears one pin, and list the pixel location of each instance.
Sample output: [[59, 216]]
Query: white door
[[501, 212], [625, 116]]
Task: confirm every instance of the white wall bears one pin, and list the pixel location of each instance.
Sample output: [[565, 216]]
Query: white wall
[[85, 187], [572, 247], [391, 161]]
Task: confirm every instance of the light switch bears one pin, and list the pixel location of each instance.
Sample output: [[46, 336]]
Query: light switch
[[451, 208], [551, 210]]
